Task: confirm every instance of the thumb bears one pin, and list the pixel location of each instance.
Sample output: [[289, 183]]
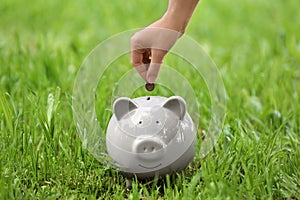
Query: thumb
[[157, 57]]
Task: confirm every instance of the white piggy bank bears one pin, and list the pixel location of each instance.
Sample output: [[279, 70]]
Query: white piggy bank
[[150, 136]]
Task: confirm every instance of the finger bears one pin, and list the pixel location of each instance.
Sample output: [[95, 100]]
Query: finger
[[154, 67], [142, 70], [137, 62], [136, 58], [152, 72], [140, 60]]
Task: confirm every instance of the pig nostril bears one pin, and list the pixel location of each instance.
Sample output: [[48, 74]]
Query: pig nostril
[[148, 147], [157, 122], [140, 122]]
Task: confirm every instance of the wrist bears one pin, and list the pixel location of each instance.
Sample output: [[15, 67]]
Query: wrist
[[175, 21], [179, 13]]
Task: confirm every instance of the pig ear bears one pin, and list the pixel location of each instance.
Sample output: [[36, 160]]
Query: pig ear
[[177, 105], [123, 106]]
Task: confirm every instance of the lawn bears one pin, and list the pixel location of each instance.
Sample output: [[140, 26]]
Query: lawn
[[255, 46]]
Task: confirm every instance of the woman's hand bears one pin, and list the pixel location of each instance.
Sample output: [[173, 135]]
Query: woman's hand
[[150, 45]]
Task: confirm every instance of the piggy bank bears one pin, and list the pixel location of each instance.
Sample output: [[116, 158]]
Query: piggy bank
[[150, 136]]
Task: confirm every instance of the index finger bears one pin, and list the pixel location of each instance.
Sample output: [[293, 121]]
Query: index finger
[[137, 62]]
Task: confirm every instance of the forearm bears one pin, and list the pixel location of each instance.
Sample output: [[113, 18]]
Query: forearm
[[179, 13]]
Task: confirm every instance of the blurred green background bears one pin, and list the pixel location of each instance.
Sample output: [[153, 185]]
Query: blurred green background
[[256, 46]]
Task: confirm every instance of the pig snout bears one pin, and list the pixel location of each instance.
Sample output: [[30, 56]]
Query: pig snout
[[148, 148]]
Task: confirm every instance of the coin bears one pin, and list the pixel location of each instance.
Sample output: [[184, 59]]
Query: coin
[[149, 86]]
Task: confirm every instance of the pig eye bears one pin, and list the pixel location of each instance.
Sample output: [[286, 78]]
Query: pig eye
[[148, 98], [140, 122], [157, 122]]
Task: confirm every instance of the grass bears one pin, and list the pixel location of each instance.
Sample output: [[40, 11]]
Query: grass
[[256, 46]]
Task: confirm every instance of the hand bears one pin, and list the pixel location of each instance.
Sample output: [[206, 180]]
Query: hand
[[150, 45], [148, 49]]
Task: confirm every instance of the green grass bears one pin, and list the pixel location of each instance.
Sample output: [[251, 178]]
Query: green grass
[[256, 46]]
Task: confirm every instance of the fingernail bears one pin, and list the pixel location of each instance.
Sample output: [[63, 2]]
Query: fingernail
[[151, 79]]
